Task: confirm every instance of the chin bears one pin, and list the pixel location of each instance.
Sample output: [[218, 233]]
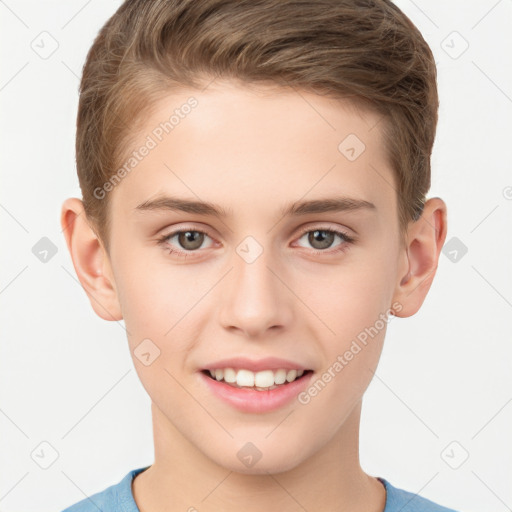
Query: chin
[[278, 462]]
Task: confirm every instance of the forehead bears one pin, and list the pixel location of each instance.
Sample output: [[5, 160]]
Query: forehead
[[230, 142]]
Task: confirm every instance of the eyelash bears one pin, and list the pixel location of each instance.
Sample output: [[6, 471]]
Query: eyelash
[[348, 240]]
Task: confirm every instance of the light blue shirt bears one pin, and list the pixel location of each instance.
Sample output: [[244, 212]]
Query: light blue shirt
[[119, 498]]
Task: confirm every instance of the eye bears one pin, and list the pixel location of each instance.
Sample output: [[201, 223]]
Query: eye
[[322, 238], [188, 240]]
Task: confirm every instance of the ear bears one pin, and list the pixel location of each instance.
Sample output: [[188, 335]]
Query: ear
[[90, 260], [424, 241]]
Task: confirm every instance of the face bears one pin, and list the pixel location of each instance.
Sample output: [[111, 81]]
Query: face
[[291, 265]]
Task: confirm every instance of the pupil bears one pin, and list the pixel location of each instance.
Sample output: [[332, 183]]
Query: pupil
[[325, 238], [191, 239]]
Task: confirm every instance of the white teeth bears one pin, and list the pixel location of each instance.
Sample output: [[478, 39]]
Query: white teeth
[[262, 380], [245, 378], [280, 377], [291, 375], [229, 375]]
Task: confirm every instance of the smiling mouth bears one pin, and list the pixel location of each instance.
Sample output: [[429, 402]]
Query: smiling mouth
[[265, 380]]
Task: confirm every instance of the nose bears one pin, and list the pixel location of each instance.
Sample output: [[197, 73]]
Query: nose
[[255, 300]]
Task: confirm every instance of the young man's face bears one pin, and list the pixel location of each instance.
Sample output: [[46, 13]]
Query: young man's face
[[259, 283]]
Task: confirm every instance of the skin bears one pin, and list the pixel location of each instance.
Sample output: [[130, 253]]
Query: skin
[[252, 152]]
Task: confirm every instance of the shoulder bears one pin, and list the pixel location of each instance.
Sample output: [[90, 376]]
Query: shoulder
[[405, 501], [117, 497]]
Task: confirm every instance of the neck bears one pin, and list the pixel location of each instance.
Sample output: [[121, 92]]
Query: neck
[[183, 478]]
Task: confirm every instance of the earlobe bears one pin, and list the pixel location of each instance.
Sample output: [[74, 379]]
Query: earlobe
[[425, 237], [90, 260]]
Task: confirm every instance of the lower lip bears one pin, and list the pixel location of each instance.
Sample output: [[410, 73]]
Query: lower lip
[[251, 400]]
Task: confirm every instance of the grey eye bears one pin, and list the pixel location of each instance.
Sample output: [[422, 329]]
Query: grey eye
[[190, 240], [321, 238]]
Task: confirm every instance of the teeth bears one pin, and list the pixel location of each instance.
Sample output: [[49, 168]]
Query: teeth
[[245, 378], [229, 375], [263, 380], [280, 377], [291, 375]]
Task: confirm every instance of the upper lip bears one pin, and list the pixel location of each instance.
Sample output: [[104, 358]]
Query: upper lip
[[255, 365]]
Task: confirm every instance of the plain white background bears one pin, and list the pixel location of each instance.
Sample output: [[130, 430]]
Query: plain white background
[[437, 417]]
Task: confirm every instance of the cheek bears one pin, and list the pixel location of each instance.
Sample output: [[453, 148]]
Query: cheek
[[358, 317], [155, 301], [147, 298], [348, 297], [353, 304]]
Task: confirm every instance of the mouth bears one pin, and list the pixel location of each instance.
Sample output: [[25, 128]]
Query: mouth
[[255, 393], [263, 380]]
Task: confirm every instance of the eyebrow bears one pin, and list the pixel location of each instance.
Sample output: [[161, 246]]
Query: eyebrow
[[298, 208]]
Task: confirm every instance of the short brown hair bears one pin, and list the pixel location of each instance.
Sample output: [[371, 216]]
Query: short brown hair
[[365, 50]]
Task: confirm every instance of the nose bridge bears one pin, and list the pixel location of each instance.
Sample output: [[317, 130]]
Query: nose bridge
[[256, 299]]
